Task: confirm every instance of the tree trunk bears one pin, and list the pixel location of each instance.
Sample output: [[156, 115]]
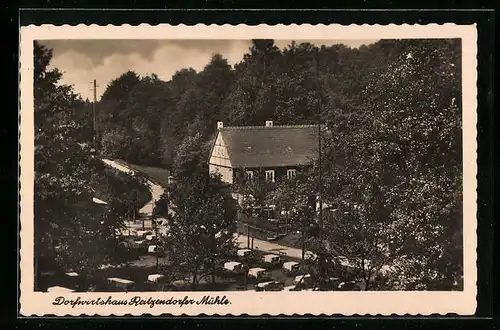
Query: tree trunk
[[363, 272], [303, 241], [195, 273], [193, 284], [213, 272], [367, 280], [366, 274]]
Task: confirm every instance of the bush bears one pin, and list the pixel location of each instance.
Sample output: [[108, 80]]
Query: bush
[[120, 190]]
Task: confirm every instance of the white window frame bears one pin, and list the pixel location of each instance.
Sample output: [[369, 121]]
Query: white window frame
[[249, 175], [270, 175], [291, 173]]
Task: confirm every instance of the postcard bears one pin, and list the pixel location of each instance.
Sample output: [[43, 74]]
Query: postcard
[[229, 170]]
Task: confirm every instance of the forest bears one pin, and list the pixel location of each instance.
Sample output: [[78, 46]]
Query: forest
[[391, 142], [391, 113]]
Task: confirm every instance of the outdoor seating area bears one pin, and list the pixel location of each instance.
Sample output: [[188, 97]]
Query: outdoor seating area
[[247, 269]]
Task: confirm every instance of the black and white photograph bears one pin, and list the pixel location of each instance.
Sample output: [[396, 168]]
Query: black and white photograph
[[251, 165]]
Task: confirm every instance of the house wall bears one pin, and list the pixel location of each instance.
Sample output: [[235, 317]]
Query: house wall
[[280, 173], [226, 173], [219, 161]]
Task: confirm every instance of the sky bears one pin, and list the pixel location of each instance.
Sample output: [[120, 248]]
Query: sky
[[82, 61]]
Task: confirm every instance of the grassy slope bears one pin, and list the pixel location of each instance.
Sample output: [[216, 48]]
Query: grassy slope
[[113, 182], [157, 174]]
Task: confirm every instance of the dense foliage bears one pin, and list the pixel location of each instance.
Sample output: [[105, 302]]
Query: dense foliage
[[71, 231], [203, 222], [391, 115], [123, 193]]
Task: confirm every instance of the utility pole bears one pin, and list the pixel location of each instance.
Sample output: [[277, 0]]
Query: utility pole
[[94, 152], [248, 236], [94, 124]]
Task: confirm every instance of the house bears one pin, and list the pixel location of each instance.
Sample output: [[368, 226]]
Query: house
[[276, 151]]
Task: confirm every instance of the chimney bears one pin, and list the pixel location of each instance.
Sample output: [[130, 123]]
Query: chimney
[[220, 125], [269, 123]]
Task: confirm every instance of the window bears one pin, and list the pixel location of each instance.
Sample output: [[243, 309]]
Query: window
[[290, 173], [249, 175], [270, 175]]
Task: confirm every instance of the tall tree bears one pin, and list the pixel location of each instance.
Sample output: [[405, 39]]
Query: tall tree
[[68, 225], [424, 124], [397, 159], [296, 198], [148, 102], [203, 221], [205, 101], [190, 160], [251, 101], [114, 120], [174, 121]]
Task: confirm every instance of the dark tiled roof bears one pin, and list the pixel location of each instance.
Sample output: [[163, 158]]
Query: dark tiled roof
[[260, 146]]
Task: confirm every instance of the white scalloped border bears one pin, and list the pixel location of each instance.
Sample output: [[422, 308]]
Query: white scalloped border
[[255, 303]]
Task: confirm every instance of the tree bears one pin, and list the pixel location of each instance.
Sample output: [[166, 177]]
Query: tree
[[358, 233], [190, 160], [162, 205], [114, 121], [148, 101], [251, 101], [204, 104], [255, 192], [123, 192], [174, 125], [397, 159], [116, 142], [424, 122], [203, 221], [296, 197], [69, 227]]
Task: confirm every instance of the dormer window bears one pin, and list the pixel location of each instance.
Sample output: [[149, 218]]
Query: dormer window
[[290, 174], [270, 175]]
